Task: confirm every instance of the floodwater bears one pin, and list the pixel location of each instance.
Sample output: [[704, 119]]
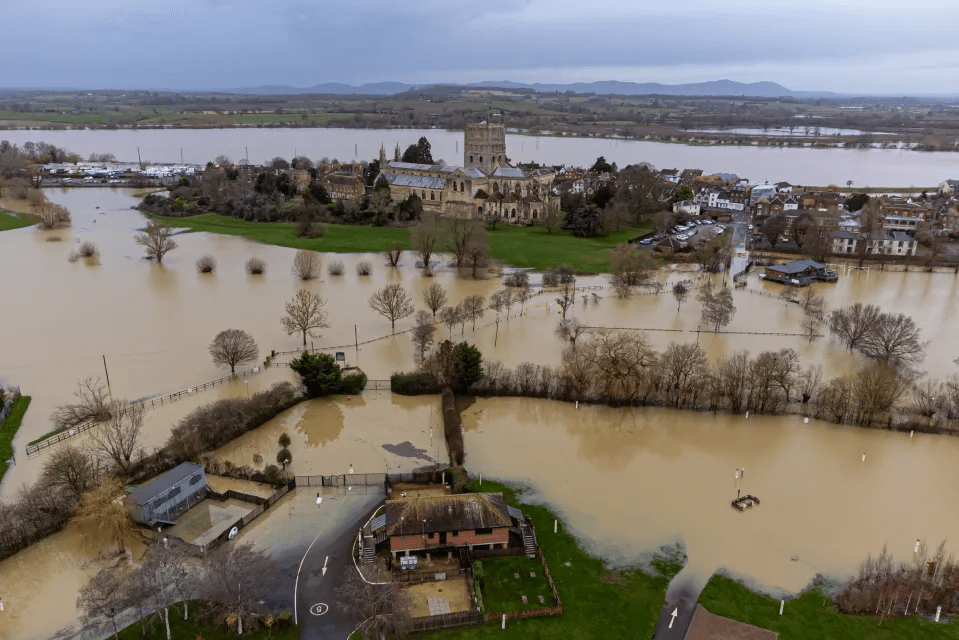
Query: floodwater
[[865, 167], [630, 480], [627, 480]]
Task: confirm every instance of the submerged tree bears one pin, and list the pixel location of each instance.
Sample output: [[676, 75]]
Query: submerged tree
[[304, 313], [393, 303], [232, 347], [157, 240], [103, 507]]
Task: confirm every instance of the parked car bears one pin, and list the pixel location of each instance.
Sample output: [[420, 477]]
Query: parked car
[[646, 241]]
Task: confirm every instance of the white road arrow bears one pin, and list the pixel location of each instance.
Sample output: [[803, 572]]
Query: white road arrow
[[673, 619], [328, 559]]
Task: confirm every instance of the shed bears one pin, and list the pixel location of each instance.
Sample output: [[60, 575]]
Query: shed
[[166, 497], [462, 520]]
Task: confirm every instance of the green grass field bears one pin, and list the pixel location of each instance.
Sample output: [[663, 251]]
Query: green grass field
[[812, 616], [502, 591], [596, 602], [10, 220], [194, 628], [8, 429], [529, 247]]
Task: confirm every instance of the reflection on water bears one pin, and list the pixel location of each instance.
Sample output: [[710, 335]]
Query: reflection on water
[[630, 480]]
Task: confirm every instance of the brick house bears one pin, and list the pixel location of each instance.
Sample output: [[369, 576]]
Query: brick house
[[470, 520], [344, 186]]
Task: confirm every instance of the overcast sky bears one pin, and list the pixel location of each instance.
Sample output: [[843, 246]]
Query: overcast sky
[[870, 46]]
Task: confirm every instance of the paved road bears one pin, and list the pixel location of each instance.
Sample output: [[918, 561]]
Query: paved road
[[684, 602]]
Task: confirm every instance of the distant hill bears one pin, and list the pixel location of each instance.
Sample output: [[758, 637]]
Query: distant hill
[[605, 87]]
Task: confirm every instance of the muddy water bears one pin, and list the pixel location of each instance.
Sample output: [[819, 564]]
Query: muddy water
[[866, 167], [41, 583], [629, 480]]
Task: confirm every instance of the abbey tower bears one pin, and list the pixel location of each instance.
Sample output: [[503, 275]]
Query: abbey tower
[[485, 146]]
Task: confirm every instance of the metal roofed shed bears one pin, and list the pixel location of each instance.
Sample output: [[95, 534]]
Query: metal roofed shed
[[167, 496]]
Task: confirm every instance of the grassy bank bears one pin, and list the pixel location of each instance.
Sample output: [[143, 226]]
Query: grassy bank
[[597, 603], [812, 615], [530, 247], [8, 429], [10, 220], [198, 628]]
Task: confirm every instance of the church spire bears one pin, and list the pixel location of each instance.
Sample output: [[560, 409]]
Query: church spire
[[382, 158], [396, 153]]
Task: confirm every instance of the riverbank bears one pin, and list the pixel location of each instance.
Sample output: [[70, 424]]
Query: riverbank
[[12, 220], [522, 247], [8, 431]]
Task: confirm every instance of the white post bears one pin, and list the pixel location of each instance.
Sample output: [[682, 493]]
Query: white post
[[782, 603], [504, 619], [481, 479], [555, 525], [938, 611], [916, 550]]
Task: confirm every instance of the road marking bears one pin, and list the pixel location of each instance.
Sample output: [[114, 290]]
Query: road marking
[[673, 618], [319, 608], [296, 585], [324, 564]]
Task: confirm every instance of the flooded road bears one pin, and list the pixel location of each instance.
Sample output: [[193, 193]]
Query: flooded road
[[630, 480], [627, 480], [807, 166]]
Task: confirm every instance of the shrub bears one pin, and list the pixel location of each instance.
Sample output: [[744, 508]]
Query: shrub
[[320, 373], [353, 384], [364, 268], [206, 264], [517, 279], [87, 250], [414, 384], [306, 265], [335, 268], [255, 266], [273, 474]]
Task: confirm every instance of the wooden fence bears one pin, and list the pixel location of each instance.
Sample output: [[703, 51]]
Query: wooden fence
[[342, 480], [67, 433], [447, 620]]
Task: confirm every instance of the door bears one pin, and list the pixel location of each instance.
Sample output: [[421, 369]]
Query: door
[[443, 538]]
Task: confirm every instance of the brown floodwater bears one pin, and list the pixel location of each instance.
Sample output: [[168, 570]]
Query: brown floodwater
[[629, 480], [626, 479]]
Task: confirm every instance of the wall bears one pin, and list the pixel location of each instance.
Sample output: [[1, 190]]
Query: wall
[[414, 541]]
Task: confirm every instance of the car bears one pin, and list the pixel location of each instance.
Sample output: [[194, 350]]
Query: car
[[682, 236], [750, 227], [646, 241]]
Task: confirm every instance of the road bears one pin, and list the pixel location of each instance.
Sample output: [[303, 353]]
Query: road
[[684, 603]]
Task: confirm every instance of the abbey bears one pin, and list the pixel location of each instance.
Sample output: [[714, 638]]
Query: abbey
[[485, 186]]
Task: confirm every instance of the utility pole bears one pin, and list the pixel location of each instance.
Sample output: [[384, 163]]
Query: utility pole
[[139, 160], [108, 375], [247, 154], [356, 340]]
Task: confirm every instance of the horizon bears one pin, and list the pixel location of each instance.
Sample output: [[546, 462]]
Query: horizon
[[845, 46]]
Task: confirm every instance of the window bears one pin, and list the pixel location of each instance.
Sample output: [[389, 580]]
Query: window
[[484, 532], [195, 479], [462, 188], [174, 492], [432, 195], [481, 158]]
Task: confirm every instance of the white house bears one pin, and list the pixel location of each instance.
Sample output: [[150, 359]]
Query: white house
[[949, 187], [687, 207]]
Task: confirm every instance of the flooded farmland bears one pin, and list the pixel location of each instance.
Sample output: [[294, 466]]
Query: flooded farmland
[[627, 480]]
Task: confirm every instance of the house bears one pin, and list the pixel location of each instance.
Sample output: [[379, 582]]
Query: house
[[760, 191], [670, 175], [708, 626], [470, 520], [344, 186], [169, 495], [843, 242], [784, 187], [713, 198], [949, 187], [799, 272], [895, 243], [687, 207]]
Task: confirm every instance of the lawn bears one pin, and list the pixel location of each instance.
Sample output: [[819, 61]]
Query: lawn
[[10, 220], [199, 628], [812, 615], [530, 247], [8, 429], [503, 591], [597, 603]]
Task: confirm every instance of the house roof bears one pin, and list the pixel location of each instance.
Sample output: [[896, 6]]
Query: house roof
[[797, 266], [508, 172], [843, 235], [419, 182], [457, 512], [146, 492], [709, 626]]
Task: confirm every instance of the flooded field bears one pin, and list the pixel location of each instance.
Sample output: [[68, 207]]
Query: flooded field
[[627, 480]]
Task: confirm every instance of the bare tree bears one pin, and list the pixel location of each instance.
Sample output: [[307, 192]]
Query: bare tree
[[71, 468], [551, 218], [571, 330], [238, 577], [508, 300], [364, 268], [788, 293], [811, 323], [52, 216], [92, 404], [157, 240], [423, 332], [630, 267], [424, 236], [473, 308], [255, 266], [206, 264], [876, 388], [567, 296], [435, 297], [808, 382], [306, 265], [304, 313], [393, 303], [478, 251], [461, 233], [523, 294], [496, 301], [894, 339], [683, 367], [928, 398], [103, 506], [853, 323], [393, 253], [718, 309], [680, 292], [383, 607], [101, 601], [450, 316], [232, 347], [121, 436]]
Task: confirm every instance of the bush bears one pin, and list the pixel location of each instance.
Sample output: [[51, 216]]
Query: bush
[[306, 265], [364, 268], [335, 268], [273, 474], [255, 266], [320, 373], [87, 250], [517, 279], [206, 264], [414, 384], [353, 384]]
